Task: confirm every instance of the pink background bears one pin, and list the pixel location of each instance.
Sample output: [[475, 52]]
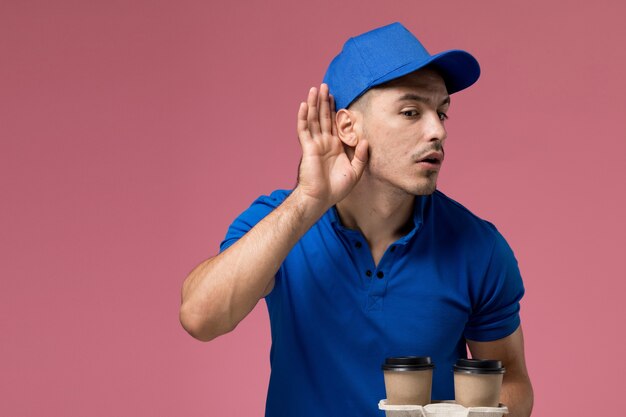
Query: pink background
[[132, 133]]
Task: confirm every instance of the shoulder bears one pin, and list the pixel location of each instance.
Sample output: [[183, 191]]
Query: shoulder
[[479, 238], [259, 208], [275, 198], [455, 213], [454, 221], [267, 203]]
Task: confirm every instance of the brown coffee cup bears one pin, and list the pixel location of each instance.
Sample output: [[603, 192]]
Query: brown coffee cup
[[477, 382], [408, 380]]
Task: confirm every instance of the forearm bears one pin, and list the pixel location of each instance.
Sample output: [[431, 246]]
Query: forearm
[[517, 392], [517, 395], [221, 291]]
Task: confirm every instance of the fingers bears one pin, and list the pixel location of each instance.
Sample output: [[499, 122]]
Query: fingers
[[302, 125], [333, 116], [359, 161], [317, 115], [324, 109], [313, 116]]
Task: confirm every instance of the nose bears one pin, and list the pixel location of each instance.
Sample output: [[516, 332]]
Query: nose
[[434, 129]]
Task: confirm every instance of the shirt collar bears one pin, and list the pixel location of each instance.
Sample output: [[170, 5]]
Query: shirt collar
[[418, 219]]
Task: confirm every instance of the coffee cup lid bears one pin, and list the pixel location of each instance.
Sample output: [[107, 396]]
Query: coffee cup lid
[[479, 366], [408, 363]]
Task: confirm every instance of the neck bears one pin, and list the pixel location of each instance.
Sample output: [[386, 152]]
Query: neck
[[383, 215]]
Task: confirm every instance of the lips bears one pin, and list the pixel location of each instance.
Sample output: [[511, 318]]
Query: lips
[[432, 158]]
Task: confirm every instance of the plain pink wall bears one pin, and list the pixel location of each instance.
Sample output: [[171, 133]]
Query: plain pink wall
[[132, 133]]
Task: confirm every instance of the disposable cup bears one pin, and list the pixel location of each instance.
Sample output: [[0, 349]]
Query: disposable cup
[[477, 382], [408, 380]]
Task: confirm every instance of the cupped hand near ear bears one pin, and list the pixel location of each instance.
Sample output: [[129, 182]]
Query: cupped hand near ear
[[326, 173]]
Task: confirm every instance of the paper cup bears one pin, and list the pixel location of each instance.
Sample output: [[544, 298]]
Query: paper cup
[[477, 382], [408, 380]]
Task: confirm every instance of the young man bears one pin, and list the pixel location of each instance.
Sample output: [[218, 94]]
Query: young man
[[365, 259]]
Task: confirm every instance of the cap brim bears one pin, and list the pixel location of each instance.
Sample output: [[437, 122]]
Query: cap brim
[[459, 70]]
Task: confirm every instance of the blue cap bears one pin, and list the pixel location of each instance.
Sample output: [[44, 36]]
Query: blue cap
[[387, 53]]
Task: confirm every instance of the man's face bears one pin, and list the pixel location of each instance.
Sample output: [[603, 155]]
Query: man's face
[[403, 122]]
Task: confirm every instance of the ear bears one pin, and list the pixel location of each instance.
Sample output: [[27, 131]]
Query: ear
[[346, 127]]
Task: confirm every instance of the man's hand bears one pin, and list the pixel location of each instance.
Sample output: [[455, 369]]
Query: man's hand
[[222, 290], [326, 174]]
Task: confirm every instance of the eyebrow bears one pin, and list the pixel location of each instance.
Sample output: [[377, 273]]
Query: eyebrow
[[415, 97]]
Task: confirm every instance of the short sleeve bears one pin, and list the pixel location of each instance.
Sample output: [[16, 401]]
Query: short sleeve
[[496, 301], [251, 216]]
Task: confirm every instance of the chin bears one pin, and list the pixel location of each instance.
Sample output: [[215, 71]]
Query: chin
[[425, 188]]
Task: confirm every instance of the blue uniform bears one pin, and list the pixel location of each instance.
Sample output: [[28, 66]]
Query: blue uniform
[[335, 315]]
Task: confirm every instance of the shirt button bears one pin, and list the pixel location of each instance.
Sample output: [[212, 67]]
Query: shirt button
[[368, 273], [358, 244], [380, 274]]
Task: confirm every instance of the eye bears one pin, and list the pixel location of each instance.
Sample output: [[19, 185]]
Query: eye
[[410, 113], [442, 116]]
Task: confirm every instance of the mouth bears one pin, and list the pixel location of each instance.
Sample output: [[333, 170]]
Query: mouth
[[432, 158]]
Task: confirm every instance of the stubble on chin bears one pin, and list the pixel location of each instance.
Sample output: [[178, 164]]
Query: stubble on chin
[[426, 190], [428, 186]]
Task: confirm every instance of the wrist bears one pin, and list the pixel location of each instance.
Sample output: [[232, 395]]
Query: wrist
[[310, 209]]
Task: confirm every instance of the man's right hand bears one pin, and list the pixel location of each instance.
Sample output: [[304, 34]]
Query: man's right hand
[[326, 174], [222, 290]]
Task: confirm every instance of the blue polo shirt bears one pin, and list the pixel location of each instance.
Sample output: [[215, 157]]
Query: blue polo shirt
[[335, 315]]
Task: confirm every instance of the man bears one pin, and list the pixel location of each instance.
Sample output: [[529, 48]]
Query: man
[[365, 259]]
